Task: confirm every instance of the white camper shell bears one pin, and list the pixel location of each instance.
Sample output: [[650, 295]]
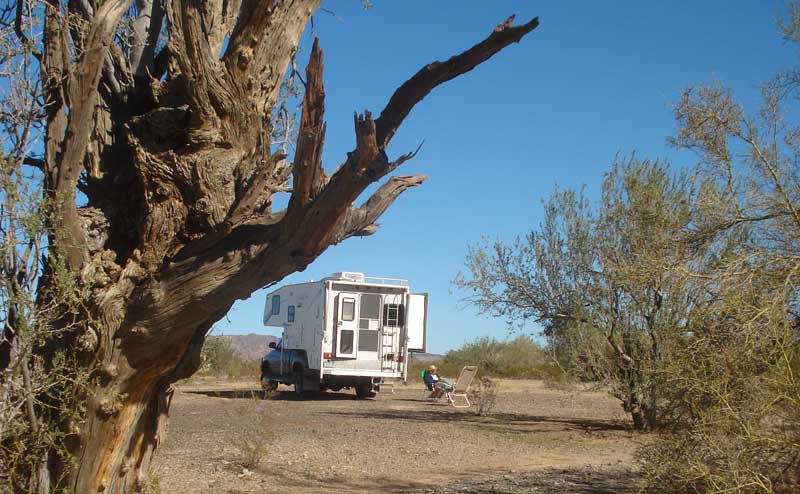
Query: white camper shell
[[352, 328]]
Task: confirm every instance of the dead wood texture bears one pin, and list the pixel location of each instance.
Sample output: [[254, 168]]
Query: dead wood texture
[[172, 151]]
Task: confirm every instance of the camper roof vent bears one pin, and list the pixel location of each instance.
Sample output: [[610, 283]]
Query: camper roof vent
[[348, 275]]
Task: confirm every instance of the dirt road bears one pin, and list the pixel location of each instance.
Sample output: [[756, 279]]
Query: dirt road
[[538, 440]]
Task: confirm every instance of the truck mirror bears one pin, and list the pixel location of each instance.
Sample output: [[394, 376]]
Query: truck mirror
[[272, 344]]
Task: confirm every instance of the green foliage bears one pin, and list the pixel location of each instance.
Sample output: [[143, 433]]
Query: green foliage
[[681, 292], [518, 358], [219, 358], [608, 281], [736, 420]]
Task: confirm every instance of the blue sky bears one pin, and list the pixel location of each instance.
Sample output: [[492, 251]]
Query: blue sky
[[595, 79]]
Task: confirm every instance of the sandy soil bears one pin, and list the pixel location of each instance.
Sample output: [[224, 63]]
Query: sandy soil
[[538, 440]]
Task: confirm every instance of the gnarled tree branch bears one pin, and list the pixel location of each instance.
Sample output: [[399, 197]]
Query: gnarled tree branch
[[82, 99], [430, 76], [360, 222], [145, 30], [309, 176]]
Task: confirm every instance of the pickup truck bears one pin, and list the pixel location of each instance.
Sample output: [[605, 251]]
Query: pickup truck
[[290, 366]]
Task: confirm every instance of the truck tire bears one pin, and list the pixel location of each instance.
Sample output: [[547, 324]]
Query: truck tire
[[299, 388], [269, 384], [364, 391]]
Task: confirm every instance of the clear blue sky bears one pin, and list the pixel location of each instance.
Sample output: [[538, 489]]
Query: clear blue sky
[[595, 78]]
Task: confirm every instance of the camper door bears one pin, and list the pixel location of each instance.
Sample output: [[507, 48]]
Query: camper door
[[416, 321], [346, 324]]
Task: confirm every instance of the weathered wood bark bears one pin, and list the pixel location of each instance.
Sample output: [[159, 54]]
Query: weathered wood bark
[[180, 175]]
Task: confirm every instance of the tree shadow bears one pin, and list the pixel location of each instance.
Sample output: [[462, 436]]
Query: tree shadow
[[292, 482], [259, 394], [500, 422], [582, 480]]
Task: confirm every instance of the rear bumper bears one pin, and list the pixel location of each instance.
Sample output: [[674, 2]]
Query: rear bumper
[[360, 373]]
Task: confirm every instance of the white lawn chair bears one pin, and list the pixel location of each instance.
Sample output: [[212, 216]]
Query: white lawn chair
[[462, 385]]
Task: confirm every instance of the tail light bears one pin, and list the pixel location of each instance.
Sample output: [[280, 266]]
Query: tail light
[[400, 359], [327, 355]]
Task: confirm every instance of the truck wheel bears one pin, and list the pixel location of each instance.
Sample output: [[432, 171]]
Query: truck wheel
[[299, 389], [269, 384], [364, 391]]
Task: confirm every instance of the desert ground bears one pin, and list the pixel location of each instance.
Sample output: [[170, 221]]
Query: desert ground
[[539, 439]]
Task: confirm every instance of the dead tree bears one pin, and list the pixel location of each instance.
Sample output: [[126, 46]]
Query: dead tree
[[171, 149]]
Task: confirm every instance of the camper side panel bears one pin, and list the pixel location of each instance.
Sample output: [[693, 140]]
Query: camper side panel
[[329, 314], [312, 319], [299, 310]]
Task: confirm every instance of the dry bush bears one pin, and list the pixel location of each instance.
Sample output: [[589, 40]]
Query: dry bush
[[734, 424], [483, 395], [152, 485], [252, 430]]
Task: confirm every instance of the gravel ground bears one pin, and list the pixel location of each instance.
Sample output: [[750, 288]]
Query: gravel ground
[[538, 440]]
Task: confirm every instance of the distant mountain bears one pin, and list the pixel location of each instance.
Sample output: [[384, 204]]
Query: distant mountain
[[251, 346]]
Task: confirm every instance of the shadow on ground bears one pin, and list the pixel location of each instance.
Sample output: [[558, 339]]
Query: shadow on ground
[[586, 480], [277, 396], [500, 422], [315, 483]]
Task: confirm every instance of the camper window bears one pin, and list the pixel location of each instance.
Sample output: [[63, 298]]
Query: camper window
[[276, 304], [369, 322], [370, 306], [348, 309], [367, 341], [394, 315], [290, 313], [346, 345]]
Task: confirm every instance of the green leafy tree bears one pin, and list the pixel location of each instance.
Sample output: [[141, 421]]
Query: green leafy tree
[[736, 379], [218, 355], [682, 293], [610, 283]]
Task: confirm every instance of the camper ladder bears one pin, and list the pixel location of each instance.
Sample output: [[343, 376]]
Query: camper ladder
[[385, 386], [388, 355], [388, 349]]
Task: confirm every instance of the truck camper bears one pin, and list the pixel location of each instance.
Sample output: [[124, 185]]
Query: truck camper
[[344, 331]]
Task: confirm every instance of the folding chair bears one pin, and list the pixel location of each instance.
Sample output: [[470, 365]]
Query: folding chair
[[425, 389], [462, 385]]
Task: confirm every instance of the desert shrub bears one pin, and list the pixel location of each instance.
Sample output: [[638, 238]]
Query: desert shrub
[[734, 425], [520, 357], [220, 359], [483, 395], [604, 278], [152, 484], [217, 355], [253, 430]]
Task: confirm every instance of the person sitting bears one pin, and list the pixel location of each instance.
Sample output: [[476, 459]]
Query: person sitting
[[429, 377], [436, 384]]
